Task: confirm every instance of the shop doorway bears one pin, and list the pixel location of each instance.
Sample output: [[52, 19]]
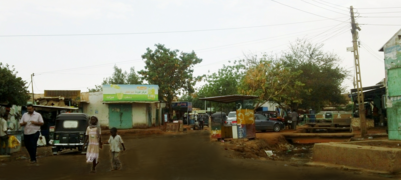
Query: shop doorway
[[120, 116]]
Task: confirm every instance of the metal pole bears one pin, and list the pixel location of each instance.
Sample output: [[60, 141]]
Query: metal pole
[[33, 95], [358, 77]]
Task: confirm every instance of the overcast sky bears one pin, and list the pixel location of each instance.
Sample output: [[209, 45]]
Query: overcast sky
[[218, 31]]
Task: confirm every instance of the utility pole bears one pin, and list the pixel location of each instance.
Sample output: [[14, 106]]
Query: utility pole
[[358, 79], [33, 95]]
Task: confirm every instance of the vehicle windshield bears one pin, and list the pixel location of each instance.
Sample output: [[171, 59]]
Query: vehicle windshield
[[69, 124], [231, 114]]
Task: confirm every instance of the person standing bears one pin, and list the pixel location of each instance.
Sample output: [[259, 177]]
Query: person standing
[[4, 150], [201, 120], [32, 122], [294, 117], [94, 142], [115, 142]]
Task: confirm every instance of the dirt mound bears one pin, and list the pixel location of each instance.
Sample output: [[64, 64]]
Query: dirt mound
[[275, 141], [248, 148]]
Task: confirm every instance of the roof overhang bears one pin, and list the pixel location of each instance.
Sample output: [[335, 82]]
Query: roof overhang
[[129, 102], [228, 98], [368, 88], [56, 107]]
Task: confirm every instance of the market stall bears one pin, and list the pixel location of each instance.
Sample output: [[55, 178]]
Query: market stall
[[244, 127]]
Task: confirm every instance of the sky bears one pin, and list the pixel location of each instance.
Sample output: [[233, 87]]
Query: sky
[[73, 45]]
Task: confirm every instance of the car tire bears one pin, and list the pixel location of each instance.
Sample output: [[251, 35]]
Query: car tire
[[276, 128]]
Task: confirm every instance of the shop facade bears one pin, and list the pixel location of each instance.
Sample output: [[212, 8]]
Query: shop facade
[[125, 106]]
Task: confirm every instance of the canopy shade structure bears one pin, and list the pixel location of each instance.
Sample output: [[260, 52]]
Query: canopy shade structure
[[228, 98]]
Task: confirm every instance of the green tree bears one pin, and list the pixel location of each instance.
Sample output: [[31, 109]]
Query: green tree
[[171, 70], [270, 80], [223, 82], [321, 74], [119, 77], [13, 89]]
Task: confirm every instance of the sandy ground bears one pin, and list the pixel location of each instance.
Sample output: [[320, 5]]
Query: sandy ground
[[190, 155]]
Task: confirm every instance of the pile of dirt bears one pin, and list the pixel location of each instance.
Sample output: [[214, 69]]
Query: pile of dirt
[[252, 149]]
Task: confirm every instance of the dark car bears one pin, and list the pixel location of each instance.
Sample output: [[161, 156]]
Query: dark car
[[262, 123], [69, 132]]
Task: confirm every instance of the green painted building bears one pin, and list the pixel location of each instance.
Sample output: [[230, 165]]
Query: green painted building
[[392, 60]]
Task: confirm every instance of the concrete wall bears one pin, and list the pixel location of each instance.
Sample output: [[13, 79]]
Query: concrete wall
[[95, 107], [392, 60], [139, 115]]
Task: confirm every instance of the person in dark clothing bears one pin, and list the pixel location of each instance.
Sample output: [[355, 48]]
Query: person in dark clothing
[[201, 120]]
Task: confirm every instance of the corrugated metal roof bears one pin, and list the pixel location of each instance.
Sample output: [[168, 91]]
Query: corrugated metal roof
[[228, 98]]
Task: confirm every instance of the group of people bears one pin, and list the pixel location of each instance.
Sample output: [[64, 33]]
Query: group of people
[[32, 121], [94, 144]]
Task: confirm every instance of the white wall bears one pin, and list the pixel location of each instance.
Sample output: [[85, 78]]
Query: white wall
[[139, 115], [97, 108]]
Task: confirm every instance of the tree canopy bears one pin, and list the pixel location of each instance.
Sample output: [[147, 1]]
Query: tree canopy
[[119, 77], [270, 80], [171, 70], [13, 89], [321, 74]]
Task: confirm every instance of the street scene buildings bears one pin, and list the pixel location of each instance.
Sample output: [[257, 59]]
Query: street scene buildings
[[318, 108]]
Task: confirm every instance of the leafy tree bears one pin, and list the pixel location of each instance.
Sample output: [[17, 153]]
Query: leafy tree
[[133, 77], [224, 82], [13, 89], [270, 80], [119, 77], [171, 70], [321, 74]]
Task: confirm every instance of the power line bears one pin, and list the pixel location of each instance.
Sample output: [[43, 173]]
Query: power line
[[371, 49], [333, 4], [341, 31], [305, 11], [330, 5], [84, 67], [325, 32], [379, 16], [371, 54], [381, 24], [323, 7], [264, 39], [381, 12], [164, 32], [382, 8]]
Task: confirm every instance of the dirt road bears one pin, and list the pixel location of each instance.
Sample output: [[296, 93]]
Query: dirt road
[[186, 156]]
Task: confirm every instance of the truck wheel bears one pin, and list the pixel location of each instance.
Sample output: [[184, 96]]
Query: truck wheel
[[276, 128]]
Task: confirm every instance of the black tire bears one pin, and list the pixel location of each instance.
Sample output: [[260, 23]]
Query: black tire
[[276, 128]]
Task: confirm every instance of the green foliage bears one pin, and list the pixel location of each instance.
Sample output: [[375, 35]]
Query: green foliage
[[13, 89], [119, 77], [224, 82], [270, 80], [171, 70], [349, 107], [321, 74]]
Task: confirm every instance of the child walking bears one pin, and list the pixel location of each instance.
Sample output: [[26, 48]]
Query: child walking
[[93, 142], [115, 142]]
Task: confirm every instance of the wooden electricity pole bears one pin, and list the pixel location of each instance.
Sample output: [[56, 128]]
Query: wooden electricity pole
[[358, 79]]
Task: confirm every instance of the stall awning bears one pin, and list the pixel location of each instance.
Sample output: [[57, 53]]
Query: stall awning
[[129, 102], [369, 93], [56, 107], [228, 98]]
